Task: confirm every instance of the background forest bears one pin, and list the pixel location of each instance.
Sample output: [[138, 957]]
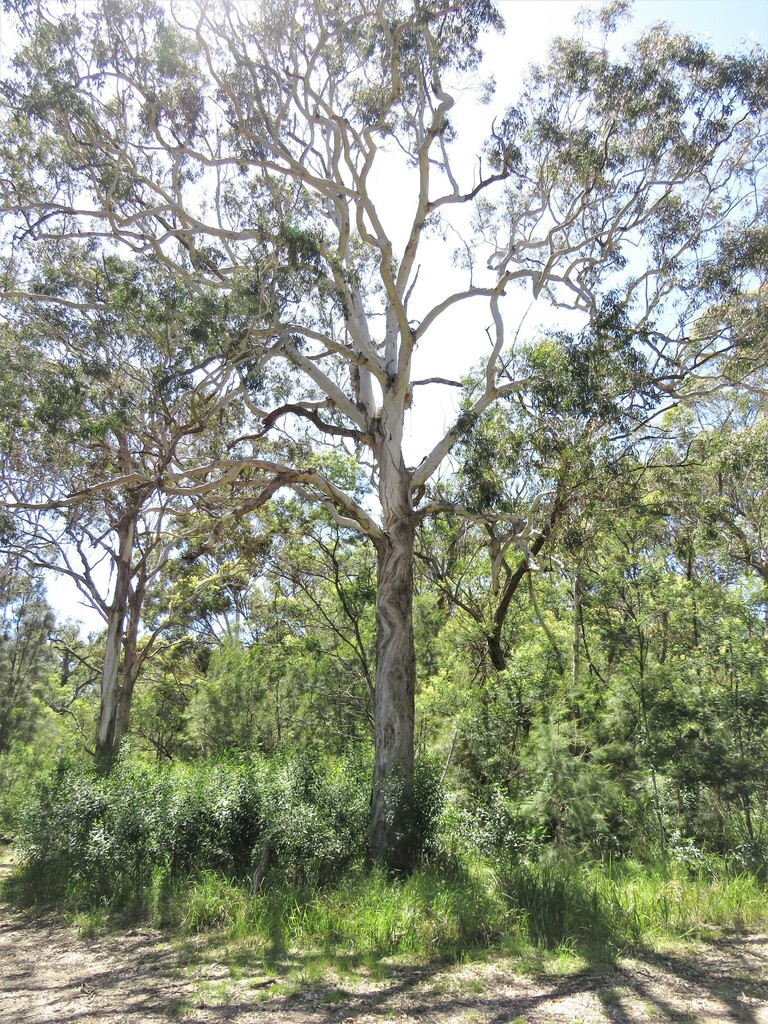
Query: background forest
[[619, 705], [608, 704], [530, 665]]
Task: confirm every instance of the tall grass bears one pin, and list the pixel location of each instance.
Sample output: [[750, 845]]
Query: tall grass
[[457, 908], [436, 910], [616, 905], [670, 900]]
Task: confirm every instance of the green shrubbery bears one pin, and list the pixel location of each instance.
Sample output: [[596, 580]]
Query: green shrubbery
[[89, 838], [178, 844]]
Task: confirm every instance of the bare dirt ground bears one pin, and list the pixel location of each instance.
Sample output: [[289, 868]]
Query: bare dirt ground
[[49, 973]]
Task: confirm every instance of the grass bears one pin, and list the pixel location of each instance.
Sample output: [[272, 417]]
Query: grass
[[365, 916], [6, 860], [368, 937], [669, 902], [561, 916]]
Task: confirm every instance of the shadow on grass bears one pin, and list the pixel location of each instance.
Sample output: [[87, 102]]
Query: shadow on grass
[[559, 909], [280, 973], [130, 977], [692, 985]]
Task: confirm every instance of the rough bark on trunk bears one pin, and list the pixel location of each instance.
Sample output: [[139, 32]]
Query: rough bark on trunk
[[131, 668], [132, 658], [394, 823], [106, 731]]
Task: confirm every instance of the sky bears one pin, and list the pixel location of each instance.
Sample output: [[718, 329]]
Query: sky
[[726, 23], [530, 24]]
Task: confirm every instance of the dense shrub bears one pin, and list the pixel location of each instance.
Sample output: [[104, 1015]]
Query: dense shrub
[[91, 837]]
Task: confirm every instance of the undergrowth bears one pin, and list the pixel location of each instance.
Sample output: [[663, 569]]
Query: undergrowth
[[178, 848], [452, 910], [447, 910]]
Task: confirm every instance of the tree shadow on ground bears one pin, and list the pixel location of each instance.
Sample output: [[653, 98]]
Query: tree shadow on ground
[[719, 978], [716, 980], [138, 977], [49, 973]]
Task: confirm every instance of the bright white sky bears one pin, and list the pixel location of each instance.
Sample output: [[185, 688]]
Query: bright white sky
[[451, 347], [726, 24]]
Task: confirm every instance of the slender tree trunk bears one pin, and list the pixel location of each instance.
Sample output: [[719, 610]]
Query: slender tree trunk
[[495, 648], [124, 701], [110, 686], [394, 827], [689, 578], [746, 803], [578, 594], [106, 730], [278, 713], [543, 623], [5, 729]]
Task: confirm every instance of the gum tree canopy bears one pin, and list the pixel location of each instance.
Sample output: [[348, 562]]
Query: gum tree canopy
[[300, 159]]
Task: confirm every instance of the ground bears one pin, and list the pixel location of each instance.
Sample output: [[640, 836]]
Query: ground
[[51, 971]]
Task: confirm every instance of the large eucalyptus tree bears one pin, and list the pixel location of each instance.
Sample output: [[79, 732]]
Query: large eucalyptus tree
[[303, 156]]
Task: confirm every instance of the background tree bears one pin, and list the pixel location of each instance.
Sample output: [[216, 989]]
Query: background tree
[[104, 386], [26, 657]]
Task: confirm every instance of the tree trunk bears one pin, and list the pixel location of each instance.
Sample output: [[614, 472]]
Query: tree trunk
[[495, 648], [107, 737], [394, 822], [132, 658], [578, 594], [131, 669]]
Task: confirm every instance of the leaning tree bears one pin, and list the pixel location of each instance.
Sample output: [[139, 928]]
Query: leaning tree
[[303, 156]]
